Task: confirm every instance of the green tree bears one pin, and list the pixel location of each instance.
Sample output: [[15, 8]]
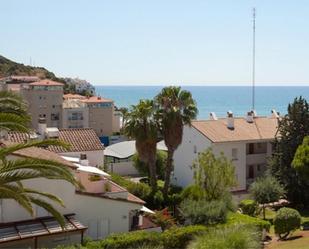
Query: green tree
[[292, 129], [14, 172], [265, 190], [213, 175], [160, 164], [301, 158], [142, 125], [13, 112], [176, 108], [14, 117]]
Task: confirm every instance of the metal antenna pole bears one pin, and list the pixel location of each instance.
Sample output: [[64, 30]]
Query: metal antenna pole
[[253, 61]]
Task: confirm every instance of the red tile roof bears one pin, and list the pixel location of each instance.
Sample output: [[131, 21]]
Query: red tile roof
[[46, 82], [80, 139], [96, 99], [263, 128], [35, 152]]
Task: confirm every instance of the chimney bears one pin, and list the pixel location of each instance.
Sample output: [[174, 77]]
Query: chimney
[[230, 120], [249, 117], [254, 113], [213, 116], [274, 113], [42, 126]]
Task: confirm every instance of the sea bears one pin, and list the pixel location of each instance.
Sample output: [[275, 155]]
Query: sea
[[218, 99]]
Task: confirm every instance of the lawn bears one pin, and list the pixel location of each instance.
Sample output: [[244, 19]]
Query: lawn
[[298, 240]]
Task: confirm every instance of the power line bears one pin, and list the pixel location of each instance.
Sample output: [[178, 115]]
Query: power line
[[253, 59]]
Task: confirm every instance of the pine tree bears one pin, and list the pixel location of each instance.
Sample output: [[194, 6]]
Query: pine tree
[[292, 129]]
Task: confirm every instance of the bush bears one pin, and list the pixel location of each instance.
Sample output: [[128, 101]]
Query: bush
[[237, 218], [179, 237], [233, 237], [130, 240], [249, 207], [286, 220], [205, 212]]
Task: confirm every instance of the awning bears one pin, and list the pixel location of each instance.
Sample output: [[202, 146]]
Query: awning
[[147, 210], [35, 228], [91, 169]]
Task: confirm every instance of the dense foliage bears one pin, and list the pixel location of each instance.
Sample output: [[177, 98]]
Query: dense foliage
[[237, 218], [265, 190], [174, 238], [232, 237], [293, 127], [301, 158], [204, 212], [214, 175], [249, 207], [286, 220], [160, 164]]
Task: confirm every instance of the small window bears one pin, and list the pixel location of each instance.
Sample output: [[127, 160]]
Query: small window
[[234, 154], [53, 106], [258, 167], [194, 149]]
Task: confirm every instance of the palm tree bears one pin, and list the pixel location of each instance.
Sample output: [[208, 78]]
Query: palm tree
[[176, 109], [13, 112], [141, 124], [14, 117]]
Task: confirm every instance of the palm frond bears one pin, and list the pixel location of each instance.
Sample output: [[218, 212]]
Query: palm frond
[[45, 194]]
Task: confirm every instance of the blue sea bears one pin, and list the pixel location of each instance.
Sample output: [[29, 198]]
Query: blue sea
[[218, 99]]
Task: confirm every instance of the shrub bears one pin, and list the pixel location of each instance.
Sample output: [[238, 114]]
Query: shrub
[[248, 207], [204, 212], [286, 220], [127, 240], [237, 218], [179, 237], [233, 237]]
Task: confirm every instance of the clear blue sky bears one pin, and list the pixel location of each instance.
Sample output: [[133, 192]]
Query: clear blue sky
[[160, 41]]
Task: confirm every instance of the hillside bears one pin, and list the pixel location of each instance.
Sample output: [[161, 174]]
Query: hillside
[[8, 68]]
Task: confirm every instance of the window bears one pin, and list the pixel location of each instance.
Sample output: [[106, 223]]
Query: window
[[194, 149], [259, 145], [251, 148], [53, 106], [251, 172], [54, 116], [234, 154]]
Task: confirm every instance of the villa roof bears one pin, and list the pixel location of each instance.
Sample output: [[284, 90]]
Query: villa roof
[[73, 96], [127, 149], [80, 139], [36, 152], [96, 99], [46, 82], [263, 128]]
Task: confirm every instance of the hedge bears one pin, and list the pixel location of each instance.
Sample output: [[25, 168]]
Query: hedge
[[248, 207], [237, 218]]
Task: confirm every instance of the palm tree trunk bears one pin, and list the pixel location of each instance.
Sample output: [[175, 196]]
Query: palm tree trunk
[[168, 171], [152, 174]]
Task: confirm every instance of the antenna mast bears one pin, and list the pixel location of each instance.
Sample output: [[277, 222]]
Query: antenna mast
[[253, 60]]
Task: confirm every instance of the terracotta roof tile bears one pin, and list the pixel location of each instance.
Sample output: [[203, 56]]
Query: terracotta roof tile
[[80, 139], [264, 128], [46, 82], [96, 99], [35, 152], [83, 139]]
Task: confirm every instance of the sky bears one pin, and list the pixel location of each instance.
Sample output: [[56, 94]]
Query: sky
[[195, 42]]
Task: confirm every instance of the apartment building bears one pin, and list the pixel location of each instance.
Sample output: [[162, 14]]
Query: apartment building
[[44, 99], [101, 115], [75, 114], [246, 141]]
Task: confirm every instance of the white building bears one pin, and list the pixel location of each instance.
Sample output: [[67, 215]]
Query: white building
[[101, 208], [245, 141], [118, 157]]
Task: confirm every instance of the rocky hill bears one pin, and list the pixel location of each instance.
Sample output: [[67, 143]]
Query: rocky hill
[[9, 67]]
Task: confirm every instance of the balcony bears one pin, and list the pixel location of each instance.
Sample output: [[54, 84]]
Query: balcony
[[256, 158]]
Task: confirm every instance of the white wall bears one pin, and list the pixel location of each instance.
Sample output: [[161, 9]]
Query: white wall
[[95, 158], [123, 168], [192, 143], [101, 215]]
